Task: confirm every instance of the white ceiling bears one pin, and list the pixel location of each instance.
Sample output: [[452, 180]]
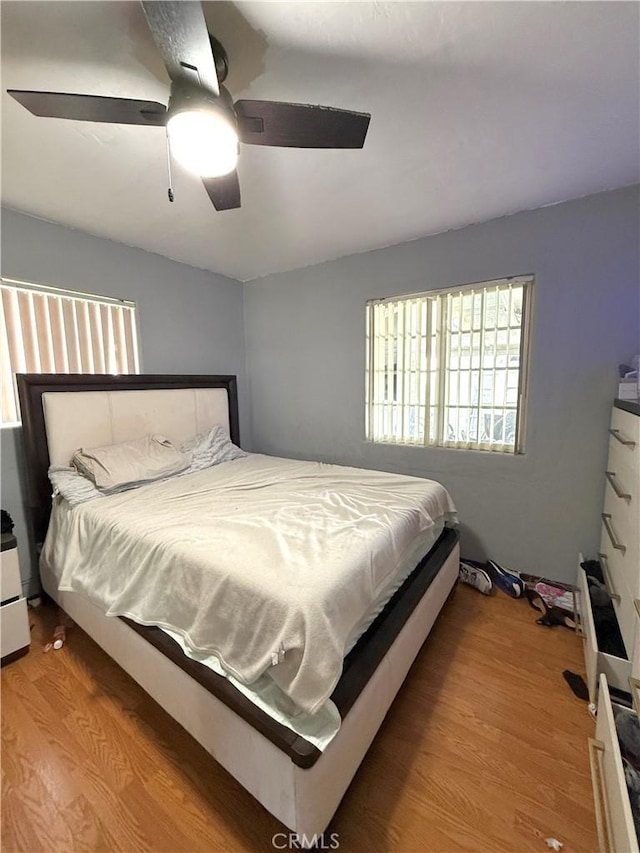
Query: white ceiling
[[479, 109]]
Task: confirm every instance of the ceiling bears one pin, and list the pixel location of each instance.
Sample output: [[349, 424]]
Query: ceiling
[[479, 109]]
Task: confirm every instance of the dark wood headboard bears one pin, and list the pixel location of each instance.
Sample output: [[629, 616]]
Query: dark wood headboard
[[31, 387]]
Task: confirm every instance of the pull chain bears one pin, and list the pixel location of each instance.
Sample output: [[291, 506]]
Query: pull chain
[[170, 190]]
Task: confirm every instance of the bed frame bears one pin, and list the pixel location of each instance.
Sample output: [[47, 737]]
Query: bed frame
[[296, 782]]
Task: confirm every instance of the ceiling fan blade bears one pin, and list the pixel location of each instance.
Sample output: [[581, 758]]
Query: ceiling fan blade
[[91, 107], [180, 33], [224, 192], [300, 125]]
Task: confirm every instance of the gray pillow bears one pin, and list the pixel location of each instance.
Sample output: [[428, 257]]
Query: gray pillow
[[131, 462], [210, 448], [72, 486]]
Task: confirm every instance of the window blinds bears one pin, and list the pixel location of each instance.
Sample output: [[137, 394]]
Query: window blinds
[[447, 368], [50, 331]]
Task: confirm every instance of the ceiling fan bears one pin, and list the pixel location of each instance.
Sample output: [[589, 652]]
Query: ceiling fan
[[203, 124]]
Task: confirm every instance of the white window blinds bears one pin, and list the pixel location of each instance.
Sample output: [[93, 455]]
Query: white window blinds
[[44, 330], [447, 368]]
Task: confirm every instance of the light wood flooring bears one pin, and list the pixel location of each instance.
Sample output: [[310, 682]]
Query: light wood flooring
[[484, 749]]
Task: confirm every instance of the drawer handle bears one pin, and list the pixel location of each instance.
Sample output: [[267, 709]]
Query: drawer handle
[[611, 592], [603, 819], [634, 684], [626, 441], [606, 517], [611, 477]]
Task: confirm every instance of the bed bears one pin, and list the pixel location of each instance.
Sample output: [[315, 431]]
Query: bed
[[297, 780]]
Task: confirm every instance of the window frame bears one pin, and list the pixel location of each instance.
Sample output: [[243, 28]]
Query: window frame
[[524, 368], [78, 296]]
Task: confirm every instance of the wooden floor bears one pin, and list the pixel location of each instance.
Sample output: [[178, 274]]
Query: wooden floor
[[484, 749]]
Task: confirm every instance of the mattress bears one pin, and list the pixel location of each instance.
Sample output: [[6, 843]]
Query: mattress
[[321, 727], [304, 551]]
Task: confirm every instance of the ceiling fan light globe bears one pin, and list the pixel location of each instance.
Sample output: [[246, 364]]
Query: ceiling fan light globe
[[203, 142]]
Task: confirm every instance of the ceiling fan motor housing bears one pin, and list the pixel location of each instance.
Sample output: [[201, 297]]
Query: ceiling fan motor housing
[[187, 96], [220, 58]]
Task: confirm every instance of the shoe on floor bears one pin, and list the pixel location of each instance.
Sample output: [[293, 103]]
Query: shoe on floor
[[476, 576], [507, 581]]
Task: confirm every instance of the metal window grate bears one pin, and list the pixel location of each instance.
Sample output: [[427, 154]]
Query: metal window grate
[[447, 368], [44, 330]]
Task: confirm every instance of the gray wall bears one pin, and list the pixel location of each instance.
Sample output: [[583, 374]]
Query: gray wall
[[306, 363], [302, 394], [191, 321]]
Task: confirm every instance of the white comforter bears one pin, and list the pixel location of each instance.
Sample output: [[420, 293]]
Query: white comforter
[[267, 563]]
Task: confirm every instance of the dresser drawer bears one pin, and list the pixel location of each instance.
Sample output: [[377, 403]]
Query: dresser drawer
[[624, 430], [14, 627], [596, 661], [620, 567], [635, 662], [623, 465], [616, 831], [623, 521], [624, 452], [10, 582], [622, 490], [627, 619]]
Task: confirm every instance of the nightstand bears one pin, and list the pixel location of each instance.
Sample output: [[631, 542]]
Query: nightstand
[[14, 619]]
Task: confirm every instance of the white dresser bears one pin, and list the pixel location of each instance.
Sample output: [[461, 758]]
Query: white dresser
[[619, 557], [619, 552], [620, 540], [14, 619]]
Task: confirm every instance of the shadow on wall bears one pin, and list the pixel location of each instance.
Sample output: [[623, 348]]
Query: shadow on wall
[[471, 546]]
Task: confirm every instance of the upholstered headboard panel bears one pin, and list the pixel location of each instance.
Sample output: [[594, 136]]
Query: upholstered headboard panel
[[96, 418], [62, 412]]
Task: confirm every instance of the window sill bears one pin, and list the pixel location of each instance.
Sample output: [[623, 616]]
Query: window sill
[[485, 451]]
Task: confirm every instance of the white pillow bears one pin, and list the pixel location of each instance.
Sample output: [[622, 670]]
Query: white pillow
[[72, 486], [210, 448], [150, 458]]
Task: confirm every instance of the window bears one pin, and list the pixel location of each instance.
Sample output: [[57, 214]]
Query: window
[[448, 368], [46, 330]]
